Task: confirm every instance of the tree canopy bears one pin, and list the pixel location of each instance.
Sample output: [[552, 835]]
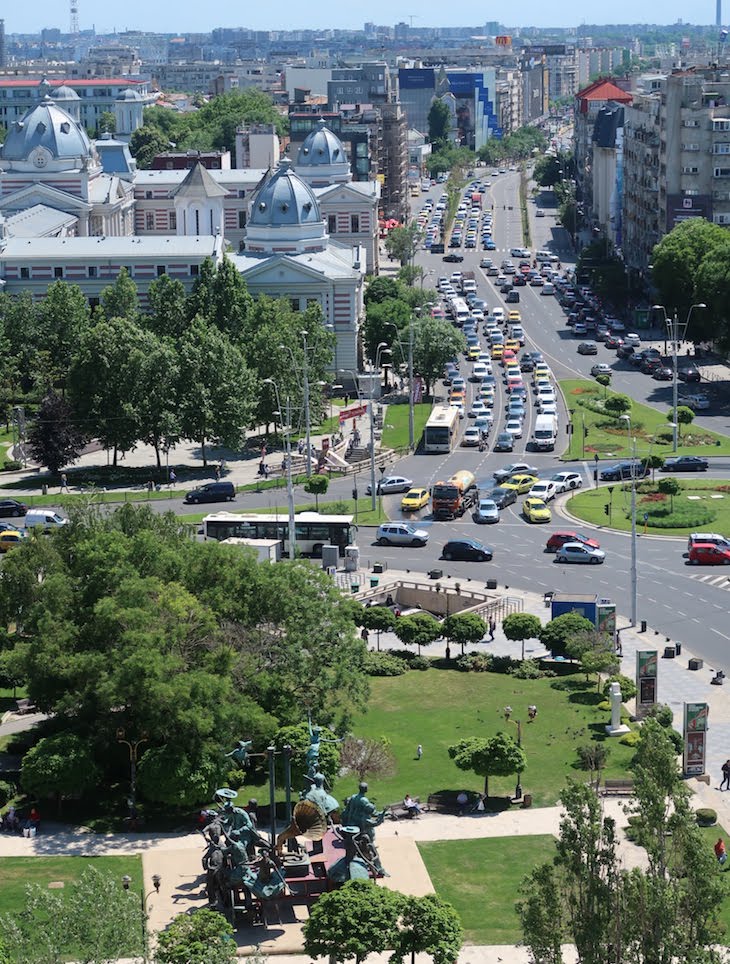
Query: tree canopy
[[496, 755]]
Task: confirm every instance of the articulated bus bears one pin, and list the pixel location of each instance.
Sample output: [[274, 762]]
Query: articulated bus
[[312, 530], [442, 429]]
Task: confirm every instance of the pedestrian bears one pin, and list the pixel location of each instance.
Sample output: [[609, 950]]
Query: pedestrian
[[300, 446], [173, 477], [266, 471], [217, 471], [492, 628], [262, 467], [720, 851], [365, 635], [419, 751], [725, 776], [532, 712], [347, 399], [64, 482]]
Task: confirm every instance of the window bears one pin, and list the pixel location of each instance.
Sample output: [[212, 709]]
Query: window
[[92, 271], [354, 223], [25, 273], [241, 193], [332, 223], [161, 270], [295, 304], [173, 220], [721, 172], [721, 124], [149, 221], [690, 147], [94, 302], [194, 270], [58, 272], [148, 194], [690, 170], [197, 221], [723, 148], [241, 219]]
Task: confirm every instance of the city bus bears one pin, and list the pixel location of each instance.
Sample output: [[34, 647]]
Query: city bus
[[312, 530], [442, 429]]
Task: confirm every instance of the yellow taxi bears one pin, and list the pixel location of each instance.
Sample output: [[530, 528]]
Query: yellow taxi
[[512, 344], [520, 483], [473, 353], [514, 315], [497, 351], [541, 370], [535, 510], [10, 538], [414, 499]]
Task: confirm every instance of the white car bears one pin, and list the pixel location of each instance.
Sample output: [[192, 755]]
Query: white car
[[699, 403], [400, 534], [478, 408], [631, 338], [391, 483], [514, 427], [498, 315], [479, 371], [486, 512], [471, 436], [567, 480], [459, 406], [545, 394], [484, 422], [547, 408], [545, 489]]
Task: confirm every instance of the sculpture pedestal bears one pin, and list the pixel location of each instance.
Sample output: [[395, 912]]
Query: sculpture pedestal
[[617, 730]]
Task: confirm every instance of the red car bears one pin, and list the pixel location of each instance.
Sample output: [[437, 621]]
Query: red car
[[558, 539], [707, 554]]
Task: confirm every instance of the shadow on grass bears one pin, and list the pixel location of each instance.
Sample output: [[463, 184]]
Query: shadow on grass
[[570, 685], [587, 697]]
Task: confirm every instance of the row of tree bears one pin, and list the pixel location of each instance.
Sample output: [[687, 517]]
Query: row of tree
[[190, 366]]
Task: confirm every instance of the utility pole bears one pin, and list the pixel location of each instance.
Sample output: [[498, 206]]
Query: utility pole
[[411, 412], [305, 380]]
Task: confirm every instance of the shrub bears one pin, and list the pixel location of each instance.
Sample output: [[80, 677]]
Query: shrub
[[383, 664], [475, 663], [628, 686], [677, 740], [405, 654], [235, 779], [502, 664], [706, 817], [12, 465], [604, 706], [420, 662], [526, 669], [663, 714], [7, 792], [630, 739]]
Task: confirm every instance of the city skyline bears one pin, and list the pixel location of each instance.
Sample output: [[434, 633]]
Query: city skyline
[[167, 16]]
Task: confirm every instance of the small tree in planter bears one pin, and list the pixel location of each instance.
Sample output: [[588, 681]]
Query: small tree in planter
[[317, 485]]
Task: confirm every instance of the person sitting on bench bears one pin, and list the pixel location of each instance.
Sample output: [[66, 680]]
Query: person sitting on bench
[[413, 807]]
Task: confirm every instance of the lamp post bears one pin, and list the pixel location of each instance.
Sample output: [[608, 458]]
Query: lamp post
[[133, 746], [634, 575], [289, 483], [677, 332], [382, 347], [156, 881], [305, 397], [411, 410], [518, 724]]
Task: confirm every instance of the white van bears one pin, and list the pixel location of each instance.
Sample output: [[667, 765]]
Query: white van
[[45, 518]]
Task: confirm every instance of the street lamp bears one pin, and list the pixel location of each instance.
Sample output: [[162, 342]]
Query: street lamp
[[411, 411], [289, 483], [676, 333], [305, 394], [382, 348], [518, 724], [156, 881], [634, 575], [133, 746]]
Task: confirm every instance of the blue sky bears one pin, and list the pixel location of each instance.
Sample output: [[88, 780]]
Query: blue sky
[[169, 15]]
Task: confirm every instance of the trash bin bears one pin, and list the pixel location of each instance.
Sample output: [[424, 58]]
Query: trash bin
[[643, 625], [491, 583], [678, 649], [374, 580], [354, 587], [669, 652], [379, 567], [352, 558], [527, 801]]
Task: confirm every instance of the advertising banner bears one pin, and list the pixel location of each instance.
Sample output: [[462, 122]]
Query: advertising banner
[[606, 618], [647, 671], [354, 412], [695, 738]]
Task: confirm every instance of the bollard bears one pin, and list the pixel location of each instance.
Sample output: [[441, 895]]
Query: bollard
[[643, 625]]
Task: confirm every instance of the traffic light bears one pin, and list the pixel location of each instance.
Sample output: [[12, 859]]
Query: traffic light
[[607, 509], [585, 431], [354, 494]]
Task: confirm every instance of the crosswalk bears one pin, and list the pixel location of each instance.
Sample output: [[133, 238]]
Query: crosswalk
[[712, 579]]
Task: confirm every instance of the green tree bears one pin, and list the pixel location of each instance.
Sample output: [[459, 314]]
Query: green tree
[[604, 381], [599, 661], [58, 766], [157, 398], [617, 405], [540, 910], [435, 342], [402, 243], [547, 170], [464, 629], [357, 920], [378, 618], [54, 440], [428, 925], [204, 937], [420, 629], [61, 319], [379, 319], [381, 288], [217, 391], [556, 634], [367, 758], [521, 626], [146, 143], [231, 304], [671, 487], [593, 757], [497, 756], [439, 123], [121, 300], [685, 416], [676, 262], [712, 284], [316, 485], [167, 309], [655, 462], [107, 123]]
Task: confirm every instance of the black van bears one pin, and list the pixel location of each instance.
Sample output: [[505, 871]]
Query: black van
[[211, 492]]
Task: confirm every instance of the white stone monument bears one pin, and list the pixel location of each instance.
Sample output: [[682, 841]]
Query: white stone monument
[[616, 727]]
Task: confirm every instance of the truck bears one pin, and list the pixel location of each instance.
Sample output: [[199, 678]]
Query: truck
[[452, 498], [545, 433], [476, 200]]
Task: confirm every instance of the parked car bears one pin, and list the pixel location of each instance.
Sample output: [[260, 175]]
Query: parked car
[[579, 552], [487, 512], [685, 463], [10, 538], [45, 519], [390, 484], [11, 507], [467, 549], [400, 534]]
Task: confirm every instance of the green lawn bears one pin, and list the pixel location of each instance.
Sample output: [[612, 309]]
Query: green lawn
[[395, 426], [16, 872], [708, 497], [439, 707], [608, 438], [481, 878], [710, 835]]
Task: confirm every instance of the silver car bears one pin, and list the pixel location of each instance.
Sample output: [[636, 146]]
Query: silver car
[[391, 483], [400, 534], [487, 511], [577, 552]]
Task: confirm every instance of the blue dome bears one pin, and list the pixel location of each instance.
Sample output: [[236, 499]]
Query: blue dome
[[283, 200], [44, 135], [321, 146]]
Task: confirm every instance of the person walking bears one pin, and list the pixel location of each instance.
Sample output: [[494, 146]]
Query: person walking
[[173, 477], [492, 628], [64, 482], [721, 851], [419, 751], [725, 785]]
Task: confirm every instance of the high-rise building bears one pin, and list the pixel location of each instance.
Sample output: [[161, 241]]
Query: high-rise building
[[3, 49]]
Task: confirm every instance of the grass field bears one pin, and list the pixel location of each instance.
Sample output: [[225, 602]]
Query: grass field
[[710, 495], [395, 427], [439, 707], [608, 438], [482, 878], [16, 872]]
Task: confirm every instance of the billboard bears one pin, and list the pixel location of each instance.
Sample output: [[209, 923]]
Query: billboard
[[695, 738], [606, 618], [647, 670], [503, 41], [680, 208]]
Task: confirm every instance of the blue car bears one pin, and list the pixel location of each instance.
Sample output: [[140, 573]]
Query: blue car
[[490, 246]]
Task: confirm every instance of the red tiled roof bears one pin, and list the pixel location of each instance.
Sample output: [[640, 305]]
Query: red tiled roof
[[604, 90], [72, 82]]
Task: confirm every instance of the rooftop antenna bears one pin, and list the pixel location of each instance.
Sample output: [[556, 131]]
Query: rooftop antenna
[[74, 17]]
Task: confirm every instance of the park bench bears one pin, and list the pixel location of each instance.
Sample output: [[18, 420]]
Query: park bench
[[25, 706], [624, 785], [397, 811]]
